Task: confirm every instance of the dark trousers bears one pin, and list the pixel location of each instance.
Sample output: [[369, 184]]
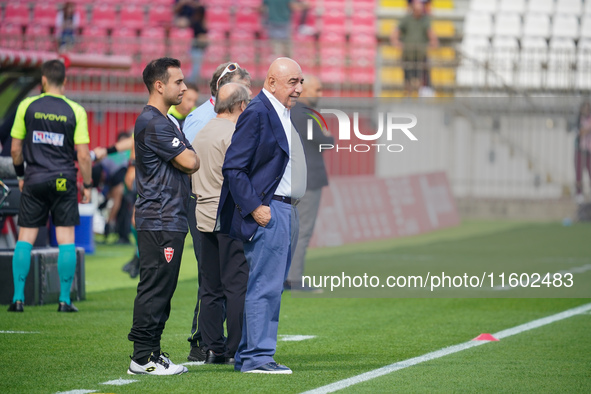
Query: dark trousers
[[224, 274], [195, 337], [582, 162], [160, 262]]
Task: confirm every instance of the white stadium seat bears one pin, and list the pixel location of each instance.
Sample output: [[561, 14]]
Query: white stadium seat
[[504, 57], [507, 25], [477, 24], [483, 6], [474, 50], [584, 64], [512, 6], [586, 26], [570, 7], [536, 25], [534, 54], [540, 7], [561, 58], [565, 26]]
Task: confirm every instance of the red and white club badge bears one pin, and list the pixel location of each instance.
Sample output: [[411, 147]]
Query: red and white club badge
[[168, 253]]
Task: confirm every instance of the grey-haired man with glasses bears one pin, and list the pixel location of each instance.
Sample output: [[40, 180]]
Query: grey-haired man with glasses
[[225, 73]]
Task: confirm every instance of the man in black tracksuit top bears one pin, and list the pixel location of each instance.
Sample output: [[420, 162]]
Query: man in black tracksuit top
[[164, 158]]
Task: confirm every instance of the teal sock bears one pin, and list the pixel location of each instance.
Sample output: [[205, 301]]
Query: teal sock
[[66, 268], [21, 262], [134, 233]]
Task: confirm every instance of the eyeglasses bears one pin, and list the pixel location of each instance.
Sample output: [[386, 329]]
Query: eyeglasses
[[230, 68]]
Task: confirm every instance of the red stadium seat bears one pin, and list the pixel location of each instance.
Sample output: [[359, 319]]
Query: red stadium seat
[[94, 40], [248, 18], [37, 38], [180, 41], [44, 14], [242, 35], [104, 15], [329, 36], [17, 12], [216, 54], [218, 18], [332, 59], [251, 3], [366, 75], [305, 55], [362, 56], [132, 16], [124, 41], [11, 36], [216, 35], [152, 42], [334, 74], [160, 15], [365, 38]]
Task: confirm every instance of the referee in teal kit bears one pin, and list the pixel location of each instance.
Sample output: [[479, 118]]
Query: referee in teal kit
[[49, 133]]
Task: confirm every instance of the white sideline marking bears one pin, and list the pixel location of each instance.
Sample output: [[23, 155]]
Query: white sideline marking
[[295, 338], [194, 363], [574, 270], [341, 384], [76, 392], [119, 382], [20, 332]]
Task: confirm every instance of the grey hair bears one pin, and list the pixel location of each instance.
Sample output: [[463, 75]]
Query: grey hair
[[230, 103]]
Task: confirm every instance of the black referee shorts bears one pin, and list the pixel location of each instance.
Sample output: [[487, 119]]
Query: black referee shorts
[[58, 196]]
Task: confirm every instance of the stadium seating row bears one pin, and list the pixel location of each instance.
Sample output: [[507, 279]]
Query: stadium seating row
[[547, 7], [533, 64], [534, 25], [103, 15], [548, 47]]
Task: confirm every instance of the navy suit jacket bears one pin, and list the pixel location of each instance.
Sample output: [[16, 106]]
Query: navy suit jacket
[[254, 165]]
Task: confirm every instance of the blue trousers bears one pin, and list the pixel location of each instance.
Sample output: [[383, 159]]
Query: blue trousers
[[269, 257]]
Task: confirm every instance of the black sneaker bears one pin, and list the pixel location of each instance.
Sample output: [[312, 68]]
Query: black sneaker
[[16, 307], [215, 358], [197, 354], [63, 307], [271, 368], [132, 267]]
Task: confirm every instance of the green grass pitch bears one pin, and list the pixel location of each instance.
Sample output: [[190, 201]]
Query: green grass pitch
[[354, 335]]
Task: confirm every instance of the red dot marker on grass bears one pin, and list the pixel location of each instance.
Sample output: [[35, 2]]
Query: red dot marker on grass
[[485, 337]]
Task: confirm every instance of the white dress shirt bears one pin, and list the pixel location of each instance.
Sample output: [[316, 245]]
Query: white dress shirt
[[292, 184]]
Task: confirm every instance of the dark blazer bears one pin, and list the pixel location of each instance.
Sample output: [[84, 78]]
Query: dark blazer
[[317, 177], [253, 167]]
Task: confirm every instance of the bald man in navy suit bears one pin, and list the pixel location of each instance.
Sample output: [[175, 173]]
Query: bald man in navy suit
[[264, 176]]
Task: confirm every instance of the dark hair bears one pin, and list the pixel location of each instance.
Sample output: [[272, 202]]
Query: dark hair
[[192, 86], [213, 84], [54, 71], [228, 104], [157, 70]]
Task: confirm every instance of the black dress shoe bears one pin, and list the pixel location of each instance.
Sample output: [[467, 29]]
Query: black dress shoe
[[63, 307], [230, 361], [16, 307], [197, 354], [215, 358]]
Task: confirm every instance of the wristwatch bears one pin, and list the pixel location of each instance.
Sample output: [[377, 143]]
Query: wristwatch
[[87, 185]]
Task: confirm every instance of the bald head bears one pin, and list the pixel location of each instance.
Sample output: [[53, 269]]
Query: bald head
[[284, 81], [231, 98], [312, 91]]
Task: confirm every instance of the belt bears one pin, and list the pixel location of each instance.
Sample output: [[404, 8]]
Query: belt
[[287, 200]]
